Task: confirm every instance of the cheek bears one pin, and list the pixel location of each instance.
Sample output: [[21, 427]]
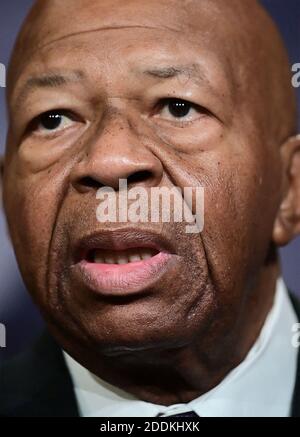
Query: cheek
[[240, 208], [32, 204]]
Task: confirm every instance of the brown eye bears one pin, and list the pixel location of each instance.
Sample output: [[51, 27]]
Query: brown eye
[[51, 120], [179, 108]]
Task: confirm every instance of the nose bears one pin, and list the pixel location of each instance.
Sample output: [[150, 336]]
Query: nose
[[116, 153]]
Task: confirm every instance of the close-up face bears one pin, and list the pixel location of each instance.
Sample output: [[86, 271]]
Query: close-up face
[[148, 92]]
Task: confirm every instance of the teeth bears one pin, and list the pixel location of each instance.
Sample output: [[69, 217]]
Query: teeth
[[134, 258], [146, 255], [99, 259], [109, 259], [122, 257]]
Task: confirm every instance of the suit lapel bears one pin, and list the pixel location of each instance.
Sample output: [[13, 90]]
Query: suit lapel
[[38, 384]]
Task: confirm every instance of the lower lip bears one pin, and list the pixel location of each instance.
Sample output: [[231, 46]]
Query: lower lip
[[124, 279]]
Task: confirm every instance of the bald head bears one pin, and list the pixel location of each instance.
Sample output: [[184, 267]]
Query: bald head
[[241, 32]]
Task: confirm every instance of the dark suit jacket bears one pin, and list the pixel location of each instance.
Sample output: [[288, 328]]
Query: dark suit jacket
[[38, 384]]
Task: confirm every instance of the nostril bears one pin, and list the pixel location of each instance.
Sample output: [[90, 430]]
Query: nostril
[[89, 182], [139, 176]]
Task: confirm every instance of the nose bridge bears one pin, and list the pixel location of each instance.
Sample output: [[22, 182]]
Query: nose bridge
[[114, 140], [117, 151]]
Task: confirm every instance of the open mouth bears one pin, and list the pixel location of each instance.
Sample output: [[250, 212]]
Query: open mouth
[[121, 257], [119, 264]]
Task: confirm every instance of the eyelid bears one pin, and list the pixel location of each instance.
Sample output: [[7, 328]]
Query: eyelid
[[33, 124], [166, 100]]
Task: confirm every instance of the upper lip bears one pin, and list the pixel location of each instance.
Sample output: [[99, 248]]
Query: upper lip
[[121, 239]]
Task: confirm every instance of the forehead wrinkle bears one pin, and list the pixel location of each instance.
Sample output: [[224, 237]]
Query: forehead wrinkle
[[102, 29]]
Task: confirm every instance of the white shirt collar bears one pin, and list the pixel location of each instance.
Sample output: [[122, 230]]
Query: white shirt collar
[[262, 385]]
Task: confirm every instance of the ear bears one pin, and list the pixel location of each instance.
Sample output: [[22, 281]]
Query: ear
[[287, 223]]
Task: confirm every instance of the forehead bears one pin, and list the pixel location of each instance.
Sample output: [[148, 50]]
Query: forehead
[[55, 19], [118, 35], [52, 21], [128, 49]]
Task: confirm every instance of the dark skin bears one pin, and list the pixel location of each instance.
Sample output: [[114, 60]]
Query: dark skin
[[119, 61]]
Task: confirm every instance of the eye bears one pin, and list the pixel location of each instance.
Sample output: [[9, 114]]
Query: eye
[[178, 109], [51, 122]]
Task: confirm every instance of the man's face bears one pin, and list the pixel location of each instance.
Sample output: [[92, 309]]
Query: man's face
[[114, 78]]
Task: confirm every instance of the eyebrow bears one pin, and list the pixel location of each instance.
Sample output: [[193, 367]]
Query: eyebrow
[[167, 72], [48, 80], [194, 72]]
